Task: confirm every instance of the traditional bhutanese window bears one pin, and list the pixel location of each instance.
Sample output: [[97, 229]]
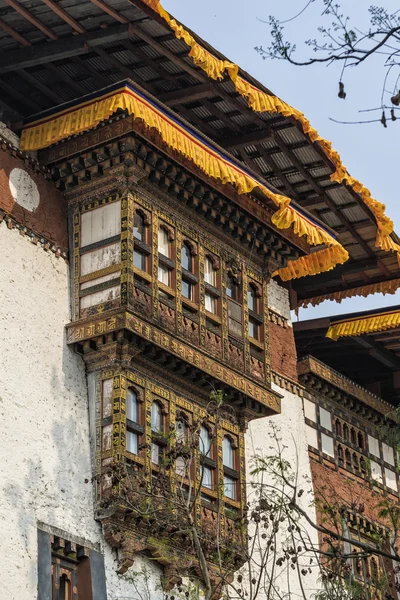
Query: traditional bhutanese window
[[254, 305], [165, 263], [189, 277], [207, 460], [182, 465], [156, 428], [142, 249], [235, 312], [212, 292], [100, 249], [68, 569], [230, 471], [134, 427]]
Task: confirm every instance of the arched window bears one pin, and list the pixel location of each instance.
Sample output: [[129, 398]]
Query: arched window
[[355, 461], [352, 435], [338, 428], [206, 477], [164, 245], [181, 431], [363, 465], [228, 459], [205, 442], [340, 453], [360, 440], [132, 406], [348, 457], [210, 274], [232, 289], [235, 319], [252, 299], [228, 453], [156, 417], [374, 569], [186, 258], [345, 432], [139, 227], [65, 588], [132, 414]]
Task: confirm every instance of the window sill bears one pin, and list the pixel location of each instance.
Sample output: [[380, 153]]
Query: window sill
[[213, 317], [143, 274]]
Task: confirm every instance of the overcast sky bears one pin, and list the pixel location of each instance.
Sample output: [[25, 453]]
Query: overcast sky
[[370, 152]]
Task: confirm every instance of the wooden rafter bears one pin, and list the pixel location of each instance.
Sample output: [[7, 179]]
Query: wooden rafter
[[17, 36], [64, 16], [32, 19]]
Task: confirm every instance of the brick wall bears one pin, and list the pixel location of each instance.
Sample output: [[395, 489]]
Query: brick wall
[[283, 350]]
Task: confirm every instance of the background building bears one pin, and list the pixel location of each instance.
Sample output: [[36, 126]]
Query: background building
[[151, 256]]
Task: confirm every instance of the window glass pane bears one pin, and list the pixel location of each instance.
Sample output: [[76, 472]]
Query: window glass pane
[[163, 241], [232, 289], [155, 454], [327, 445], [206, 476], [209, 273], [101, 223], [163, 274], [132, 406], [312, 437], [180, 466], [138, 227], [187, 290], [156, 417], [210, 303], [235, 327], [227, 453], [186, 260], [325, 418], [229, 487], [373, 446], [376, 471], [253, 329], [251, 299], [139, 260], [132, 442], [205, 441], [235, 311]]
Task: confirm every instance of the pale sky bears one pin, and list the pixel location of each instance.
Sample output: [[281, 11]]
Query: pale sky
[[370, 152]]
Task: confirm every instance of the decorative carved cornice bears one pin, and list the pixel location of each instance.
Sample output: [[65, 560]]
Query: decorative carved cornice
[[318, 377]]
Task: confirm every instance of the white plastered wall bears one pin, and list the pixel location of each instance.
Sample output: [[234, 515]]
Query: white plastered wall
[[291, 429], [45, 468], [278, 300]]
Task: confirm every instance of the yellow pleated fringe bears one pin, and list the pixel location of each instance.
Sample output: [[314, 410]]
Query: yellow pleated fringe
[[364, 325], [384, 287], [259, 101], [48, 131]]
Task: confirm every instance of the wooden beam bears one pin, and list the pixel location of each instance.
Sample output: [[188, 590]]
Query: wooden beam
[[59, 75], [64, 16], [248, 139], [35, 83], [32, 19], [51, 51], [23, 99], [17, 36], [378, 352], [111, 11], [194, 92]]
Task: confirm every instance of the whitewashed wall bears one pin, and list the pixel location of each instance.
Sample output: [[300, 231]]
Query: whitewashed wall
[[291, 429], [45, 469], [278, 299]]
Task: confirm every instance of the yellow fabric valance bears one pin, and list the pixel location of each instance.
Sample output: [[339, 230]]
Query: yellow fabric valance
[[364, 325], [384, 287], [260, 101], [90, 113]]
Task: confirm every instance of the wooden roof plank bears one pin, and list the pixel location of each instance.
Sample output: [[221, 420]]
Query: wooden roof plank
[[64, 16], [32, 19], [11, 31]]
